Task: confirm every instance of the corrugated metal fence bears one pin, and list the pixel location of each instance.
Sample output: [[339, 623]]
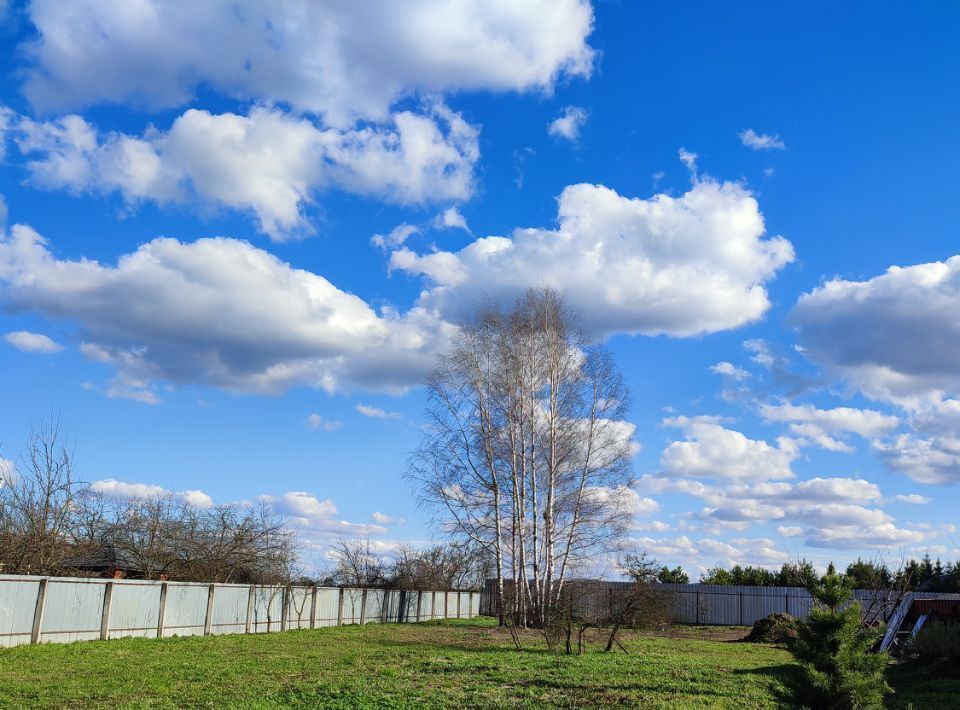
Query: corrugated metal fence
[[60, 609], [712, 604]]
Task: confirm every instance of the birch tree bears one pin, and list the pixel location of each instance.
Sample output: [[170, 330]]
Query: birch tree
[[526, 451]]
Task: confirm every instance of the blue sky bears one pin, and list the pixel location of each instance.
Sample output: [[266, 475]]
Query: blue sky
[[245, 234]]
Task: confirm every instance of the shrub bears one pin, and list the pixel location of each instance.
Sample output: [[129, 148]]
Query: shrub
[[937, 644], [834, 651], [776, 628]]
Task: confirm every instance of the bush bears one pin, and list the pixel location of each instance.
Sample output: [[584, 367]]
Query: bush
[[834, 651], [776, 628], [937, 644]]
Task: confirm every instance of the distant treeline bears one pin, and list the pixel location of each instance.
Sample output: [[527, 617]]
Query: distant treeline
[[925, 574]]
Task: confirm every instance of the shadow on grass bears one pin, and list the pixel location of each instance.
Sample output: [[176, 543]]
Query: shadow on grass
[[790, 677], [923, 686]]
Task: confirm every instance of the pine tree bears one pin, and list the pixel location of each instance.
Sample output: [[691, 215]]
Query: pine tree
[[834, 650]]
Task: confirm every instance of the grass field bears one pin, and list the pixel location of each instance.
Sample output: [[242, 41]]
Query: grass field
[[443, 664]]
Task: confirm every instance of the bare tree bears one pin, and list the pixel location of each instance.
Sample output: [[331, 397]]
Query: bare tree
[[526, 452], [36, 502], [358, 564], [448, 566]]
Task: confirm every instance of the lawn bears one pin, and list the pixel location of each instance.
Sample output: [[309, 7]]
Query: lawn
[[467, 663]]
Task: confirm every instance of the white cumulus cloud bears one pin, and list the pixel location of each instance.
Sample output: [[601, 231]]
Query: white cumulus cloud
[[894, 336], [761, 141], [301, 53], [713, 451], [681, 266], [315, 421], [32, 342], [268, 163], [568, 124], [377, 413], [219, 312], [826, 427]]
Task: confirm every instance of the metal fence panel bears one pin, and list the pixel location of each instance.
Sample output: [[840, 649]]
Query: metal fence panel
[[18, 601], [328, 604], [267, 609], [298, 608], [230, 609], [352, 600], [186, 611], [373, 611], [134, 609], [73, 611]]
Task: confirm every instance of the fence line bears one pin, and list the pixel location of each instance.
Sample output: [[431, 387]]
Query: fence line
[[63, 609], [715, 605]]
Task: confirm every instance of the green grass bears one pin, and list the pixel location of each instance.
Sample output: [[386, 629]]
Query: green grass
[[444, 664]]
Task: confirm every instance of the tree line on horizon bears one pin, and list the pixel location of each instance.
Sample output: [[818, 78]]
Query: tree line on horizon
[[926, 574]]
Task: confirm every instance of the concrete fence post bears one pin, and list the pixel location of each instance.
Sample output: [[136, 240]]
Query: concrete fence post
[[363, 607], [38, 611], [697, 611], [446, 605], [162, 611], [105, 615], [419, 605], [402, 608], [208, 619], [340, 608], [251, 600], [313, 608], [459, 603], [741, 606], [284, 608]]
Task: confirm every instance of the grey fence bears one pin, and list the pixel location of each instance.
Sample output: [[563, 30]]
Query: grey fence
[[62, 609], [712, 604]]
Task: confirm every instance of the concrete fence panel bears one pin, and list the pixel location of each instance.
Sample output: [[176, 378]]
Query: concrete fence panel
[[186, 610], [60, 609], [18, 600], [230, 609], [135, 610], [73, 611], [707, 604]]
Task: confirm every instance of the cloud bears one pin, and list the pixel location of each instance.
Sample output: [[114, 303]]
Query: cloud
[[397, 236], [377, 413], [930, 452], [625, 499], [315, 421], [894, 337], [708, 552], [267, 163], [824, 427], [712, 451], [728, 369], [760, 141], [32, 342], [300, 53], [827, 512], [222, 313], [568, 124], [451, 218], [120, 489], [912, 499], [317, 518], [7, 118], [679, 266], [854, 537], [386, 519]]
